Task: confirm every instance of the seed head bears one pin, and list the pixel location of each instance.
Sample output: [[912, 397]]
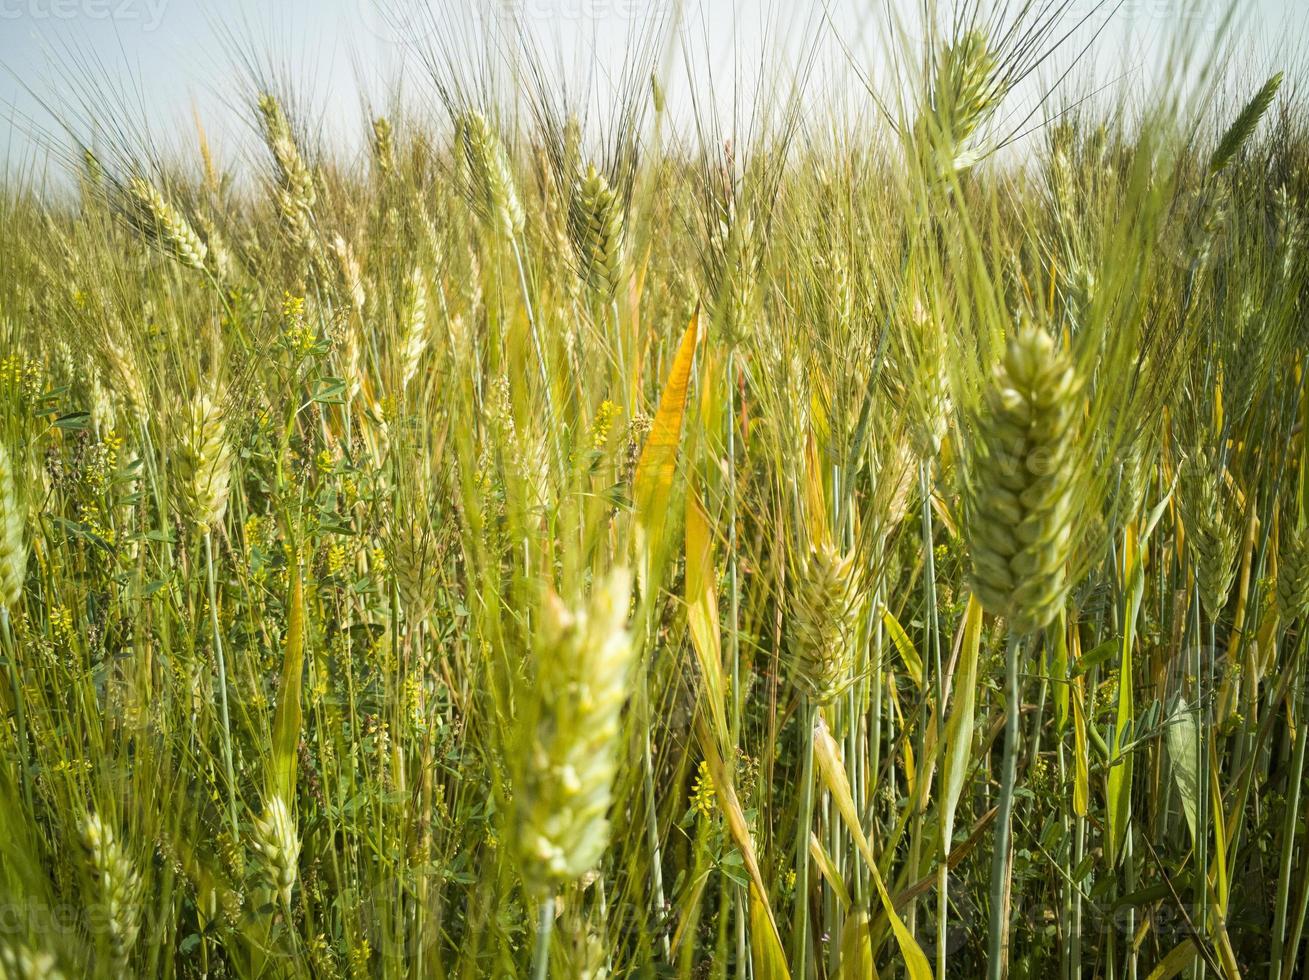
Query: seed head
[[20, 962], [120, 889], [821, 624], [1293, 577], [13, 550], [165, 225], [735, 260], [595, 225], [413, 558], [570, 756], [495, 197], [1020, 493], [383, 147], [965, 91], [278, 845], [204, 466], [293, 174], [415, 335], [1211, 535]]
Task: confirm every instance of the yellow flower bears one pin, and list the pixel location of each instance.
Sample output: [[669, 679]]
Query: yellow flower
[[604, 423], [293, 307], [336, 558], [703, 797], [413, 702], [61, 623]]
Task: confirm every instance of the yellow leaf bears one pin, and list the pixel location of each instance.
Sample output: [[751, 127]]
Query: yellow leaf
[[765, 939], [857, 949], [702, 612], [1081, 762], [912, 662], [815, 498], [1178, 959], [828, 870], [828, 756], [766, 945], [652, 483]]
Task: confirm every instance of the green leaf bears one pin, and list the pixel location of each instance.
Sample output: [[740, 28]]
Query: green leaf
[[1183, 738], [329, 391], [73, 421], [959, 725]]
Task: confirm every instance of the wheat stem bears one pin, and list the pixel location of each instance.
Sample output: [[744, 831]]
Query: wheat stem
[[1291, 819], [807, 715], [20, 709], [544, 928], [997, 953], [540, 352], [222, 682]]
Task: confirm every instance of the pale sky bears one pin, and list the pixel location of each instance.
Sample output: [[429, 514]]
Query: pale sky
[[156, 62]]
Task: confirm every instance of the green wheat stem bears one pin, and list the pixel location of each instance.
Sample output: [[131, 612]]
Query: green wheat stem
[[222, 682], [807, 715], [20, 709], [996, 953], [544, 929], [1295, 779]]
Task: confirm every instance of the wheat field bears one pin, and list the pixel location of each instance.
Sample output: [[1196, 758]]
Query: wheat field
[[548, 546]]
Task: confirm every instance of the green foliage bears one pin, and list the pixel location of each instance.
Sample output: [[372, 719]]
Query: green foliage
[[317, 492]]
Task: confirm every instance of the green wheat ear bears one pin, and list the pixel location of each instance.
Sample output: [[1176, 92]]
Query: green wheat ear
[[965, 90], [13, 550], [1244, 125], [278, 846], [204, 463], [383, 147], [595, 225], [1211, 534], [821, 624], [20, 962], [569, 756], [120, 889], [1022, 483], [165, 225], [1293, 577], [495, 194]]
